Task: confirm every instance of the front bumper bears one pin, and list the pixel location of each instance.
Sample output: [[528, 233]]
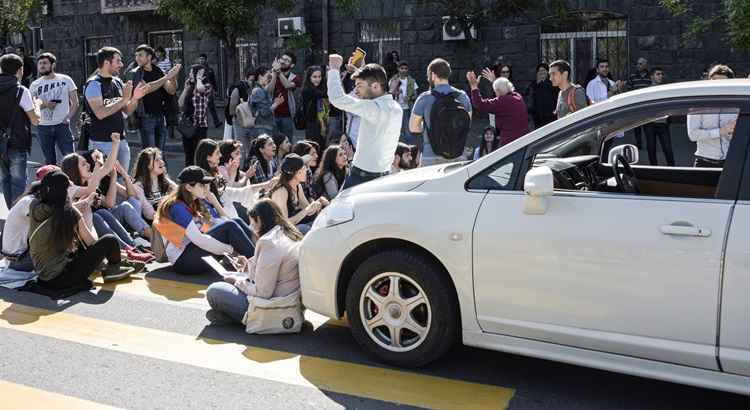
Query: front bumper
[[321, 256]]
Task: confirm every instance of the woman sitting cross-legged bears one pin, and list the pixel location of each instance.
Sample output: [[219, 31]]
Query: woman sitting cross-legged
[[65, 251], [151, 181], [272, 272], [194, 225], [288, 194]]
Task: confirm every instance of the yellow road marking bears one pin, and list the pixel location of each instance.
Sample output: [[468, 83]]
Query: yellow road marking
[[324, 374], [191, 294], [20, 397]]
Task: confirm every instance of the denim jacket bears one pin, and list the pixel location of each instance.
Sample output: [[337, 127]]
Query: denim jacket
[[260, 104]]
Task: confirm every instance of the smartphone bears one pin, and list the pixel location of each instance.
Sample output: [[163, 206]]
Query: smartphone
[[358, 56], [228, 263], [56, 101]]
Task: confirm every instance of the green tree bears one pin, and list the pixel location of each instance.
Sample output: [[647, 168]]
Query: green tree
[[15, 14], [732, 18], [227, 20]]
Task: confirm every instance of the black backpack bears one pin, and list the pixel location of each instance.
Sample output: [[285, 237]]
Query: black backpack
[[7, 132], [450, 125]]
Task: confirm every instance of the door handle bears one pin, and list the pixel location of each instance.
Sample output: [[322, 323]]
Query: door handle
[[678, 229]]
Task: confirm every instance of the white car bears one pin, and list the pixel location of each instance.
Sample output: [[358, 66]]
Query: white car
[[542, 249]]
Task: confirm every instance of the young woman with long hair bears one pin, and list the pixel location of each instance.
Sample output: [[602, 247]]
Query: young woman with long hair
[[64, 250], [489, 143], [288, 194], [152, 181], [272, 272], [262, 106], [283, 146], [309, 150], [194, 225], [315, 105], [230, 164], [235, 201], [332, 171], [263, 159]]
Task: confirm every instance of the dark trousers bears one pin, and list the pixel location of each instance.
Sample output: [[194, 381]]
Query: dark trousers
[[84, 262], [233, 232], [189, 144], [665, 140], [212, 111], [701, 162], [354, 178]]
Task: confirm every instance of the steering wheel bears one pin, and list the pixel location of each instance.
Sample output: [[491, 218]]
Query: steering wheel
[[627, 182]]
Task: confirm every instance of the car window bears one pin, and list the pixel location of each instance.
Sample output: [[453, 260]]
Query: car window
[[681, 151], [500, 176]]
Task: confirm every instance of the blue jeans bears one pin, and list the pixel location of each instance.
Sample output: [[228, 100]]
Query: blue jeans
[[153, 131], [105, 223], [13, 174], [285, 125], [226, 298], [123, 153], [129, 214], [55, 135], [233, 232]]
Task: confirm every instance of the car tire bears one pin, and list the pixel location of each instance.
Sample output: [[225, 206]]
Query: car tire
[[436, 317]]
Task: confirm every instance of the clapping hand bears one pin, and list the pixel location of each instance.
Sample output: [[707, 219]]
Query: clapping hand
[[127, 90], [172, 74], [489, 75], [121, 170], [472, 79], [323, 202], [141, 90]]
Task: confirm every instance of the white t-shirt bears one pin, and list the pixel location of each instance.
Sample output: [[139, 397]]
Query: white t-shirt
[[16, 231], [26, 103], [402, 95], [58, 88]]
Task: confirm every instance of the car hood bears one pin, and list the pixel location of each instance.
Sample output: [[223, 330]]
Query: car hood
[[403, 181]]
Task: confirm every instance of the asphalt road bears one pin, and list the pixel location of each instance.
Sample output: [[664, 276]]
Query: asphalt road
[[145, 344]]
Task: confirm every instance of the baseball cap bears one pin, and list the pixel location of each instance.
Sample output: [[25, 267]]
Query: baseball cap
[[293, 163], [42, 171], [193, 174]]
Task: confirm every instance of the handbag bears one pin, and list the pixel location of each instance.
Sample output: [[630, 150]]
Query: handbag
[[157, 247], [244, 115], [273, 316]]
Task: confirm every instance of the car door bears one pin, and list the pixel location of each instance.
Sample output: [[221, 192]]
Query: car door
[[734, 335], [623, 273]]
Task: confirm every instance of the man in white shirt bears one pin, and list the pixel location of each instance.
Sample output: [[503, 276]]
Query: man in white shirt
[[601, 87], [380, 117], [59, 98]]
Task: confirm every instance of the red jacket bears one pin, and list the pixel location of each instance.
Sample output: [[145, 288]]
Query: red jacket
[[511, 116]]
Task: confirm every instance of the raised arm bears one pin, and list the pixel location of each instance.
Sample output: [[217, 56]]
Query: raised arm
[[339, 99]]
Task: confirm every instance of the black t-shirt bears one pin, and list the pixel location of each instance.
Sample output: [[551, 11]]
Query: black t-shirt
[[110, 90], [153, 103]]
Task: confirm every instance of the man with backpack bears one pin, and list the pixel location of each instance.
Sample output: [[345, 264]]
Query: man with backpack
[[572, 97], [380, 116], [18, 110], [442, 115]]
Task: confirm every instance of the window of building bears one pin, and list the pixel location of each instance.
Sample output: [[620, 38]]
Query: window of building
[[378, 38], [583, 39], [90, 47], [247, 55], [172, 43]]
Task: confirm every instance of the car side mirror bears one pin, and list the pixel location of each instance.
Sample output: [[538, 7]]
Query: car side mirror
[[628, 151], [538, 185]]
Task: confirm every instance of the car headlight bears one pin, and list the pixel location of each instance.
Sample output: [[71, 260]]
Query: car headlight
[[340, 211]]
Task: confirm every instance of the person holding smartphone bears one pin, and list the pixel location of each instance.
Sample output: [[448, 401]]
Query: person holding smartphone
[[59, 96]]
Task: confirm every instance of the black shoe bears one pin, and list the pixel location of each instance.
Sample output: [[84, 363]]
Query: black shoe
[[116, 272], [218, 317]]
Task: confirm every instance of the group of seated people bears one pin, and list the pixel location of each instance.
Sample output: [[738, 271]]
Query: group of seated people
[[90, 215]]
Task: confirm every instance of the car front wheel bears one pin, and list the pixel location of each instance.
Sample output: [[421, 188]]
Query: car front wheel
[[402, 309]]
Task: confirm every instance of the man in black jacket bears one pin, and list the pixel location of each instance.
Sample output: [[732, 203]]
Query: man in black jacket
[[18, 111]]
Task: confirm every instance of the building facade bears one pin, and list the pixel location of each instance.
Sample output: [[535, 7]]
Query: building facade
[[620, 30]]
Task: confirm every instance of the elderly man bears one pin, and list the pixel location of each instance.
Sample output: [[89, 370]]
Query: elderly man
[[511, 116]]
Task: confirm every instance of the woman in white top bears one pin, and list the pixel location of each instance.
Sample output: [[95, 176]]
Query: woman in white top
[[713, 132], [271, 272], [152, 183]]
